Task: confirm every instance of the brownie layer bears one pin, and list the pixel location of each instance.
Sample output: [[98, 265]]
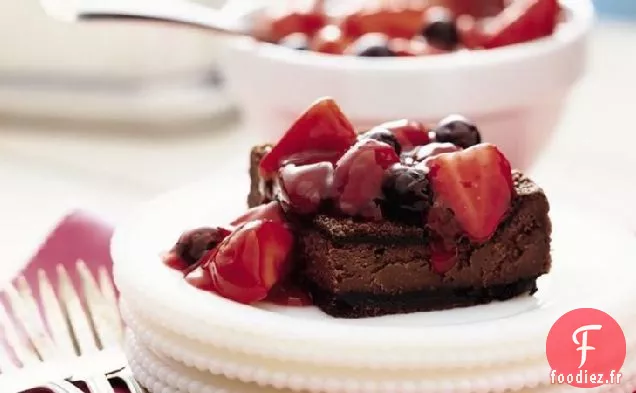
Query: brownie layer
[[363, 304], [355, 268], [342, 255]]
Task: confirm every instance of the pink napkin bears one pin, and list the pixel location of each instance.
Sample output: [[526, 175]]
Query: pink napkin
[[79, 235]]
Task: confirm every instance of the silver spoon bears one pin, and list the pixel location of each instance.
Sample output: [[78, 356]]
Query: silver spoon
[[235, 18]]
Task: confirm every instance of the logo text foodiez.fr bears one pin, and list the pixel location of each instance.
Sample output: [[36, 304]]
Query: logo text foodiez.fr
[[586, 348]]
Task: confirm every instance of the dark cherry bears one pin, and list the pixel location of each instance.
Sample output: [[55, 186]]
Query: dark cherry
[[383, 135], [407, 194], [297, 41], [193, 244], [458, 130], [371, 45], [358, 177], [440, 29], [303, 188]]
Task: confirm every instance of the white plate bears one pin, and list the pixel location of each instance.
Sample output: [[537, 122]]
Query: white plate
[[593, 267], [163, 374]]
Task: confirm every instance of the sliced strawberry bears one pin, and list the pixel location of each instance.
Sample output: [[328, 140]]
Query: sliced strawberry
[[270, 211], [476, 184], [322, 127], [522, 21], [249, 262]]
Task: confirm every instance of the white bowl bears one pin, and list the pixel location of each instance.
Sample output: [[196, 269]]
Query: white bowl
[[515, 93]]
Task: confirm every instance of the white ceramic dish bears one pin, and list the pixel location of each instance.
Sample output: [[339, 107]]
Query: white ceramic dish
[[481, 336], [514, 93]]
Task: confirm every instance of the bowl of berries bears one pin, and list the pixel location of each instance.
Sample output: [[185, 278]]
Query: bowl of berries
[[506, 65]]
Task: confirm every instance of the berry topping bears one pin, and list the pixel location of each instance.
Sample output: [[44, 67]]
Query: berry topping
[[476, 184], [442, 260], [407, 194], [270, 211], [423, 153], [250, 261], [407, 47], [383, 135], [398, 22], [303, 188], [297, 41], [322, 127], [409, 133], [470, 32], [194, 243], [358, 176], [457, 130], [371, 45], [330, 40], [312, 157], [439, 28], [200, 278], [522, 21], [272, 27]]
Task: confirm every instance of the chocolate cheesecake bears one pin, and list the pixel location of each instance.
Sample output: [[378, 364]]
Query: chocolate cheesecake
[[401, 218], [356, 268]]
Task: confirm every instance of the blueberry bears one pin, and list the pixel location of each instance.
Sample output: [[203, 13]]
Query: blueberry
[[383, 135], [371, 45], [297, 41], [440, 29], [457, 130], [407, 194]]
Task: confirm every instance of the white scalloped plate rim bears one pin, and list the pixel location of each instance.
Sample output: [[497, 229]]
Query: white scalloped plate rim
[[166, 375], [137, 244]]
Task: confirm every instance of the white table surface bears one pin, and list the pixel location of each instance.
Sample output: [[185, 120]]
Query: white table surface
[[47, 169]]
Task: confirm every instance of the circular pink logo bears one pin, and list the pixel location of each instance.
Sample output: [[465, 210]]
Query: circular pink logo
[[586, 348]]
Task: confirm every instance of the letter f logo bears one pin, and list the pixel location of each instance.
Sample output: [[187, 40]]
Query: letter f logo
[[583, 344]]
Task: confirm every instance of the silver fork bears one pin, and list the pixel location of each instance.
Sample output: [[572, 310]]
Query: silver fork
[[27, 367], [87, 339], [103, 313]]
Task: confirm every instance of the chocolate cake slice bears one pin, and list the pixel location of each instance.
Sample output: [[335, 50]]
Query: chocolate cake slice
[[355, 268]]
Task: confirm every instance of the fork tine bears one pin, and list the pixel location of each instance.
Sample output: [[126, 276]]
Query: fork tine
[[6, 363], [25, 353], [110, 297], [97, 309], [82, 327], [36, 330], [81, 332], [58, 327]]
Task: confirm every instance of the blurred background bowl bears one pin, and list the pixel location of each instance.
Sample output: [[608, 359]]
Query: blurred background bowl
[[515, 94], [122, 71]]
